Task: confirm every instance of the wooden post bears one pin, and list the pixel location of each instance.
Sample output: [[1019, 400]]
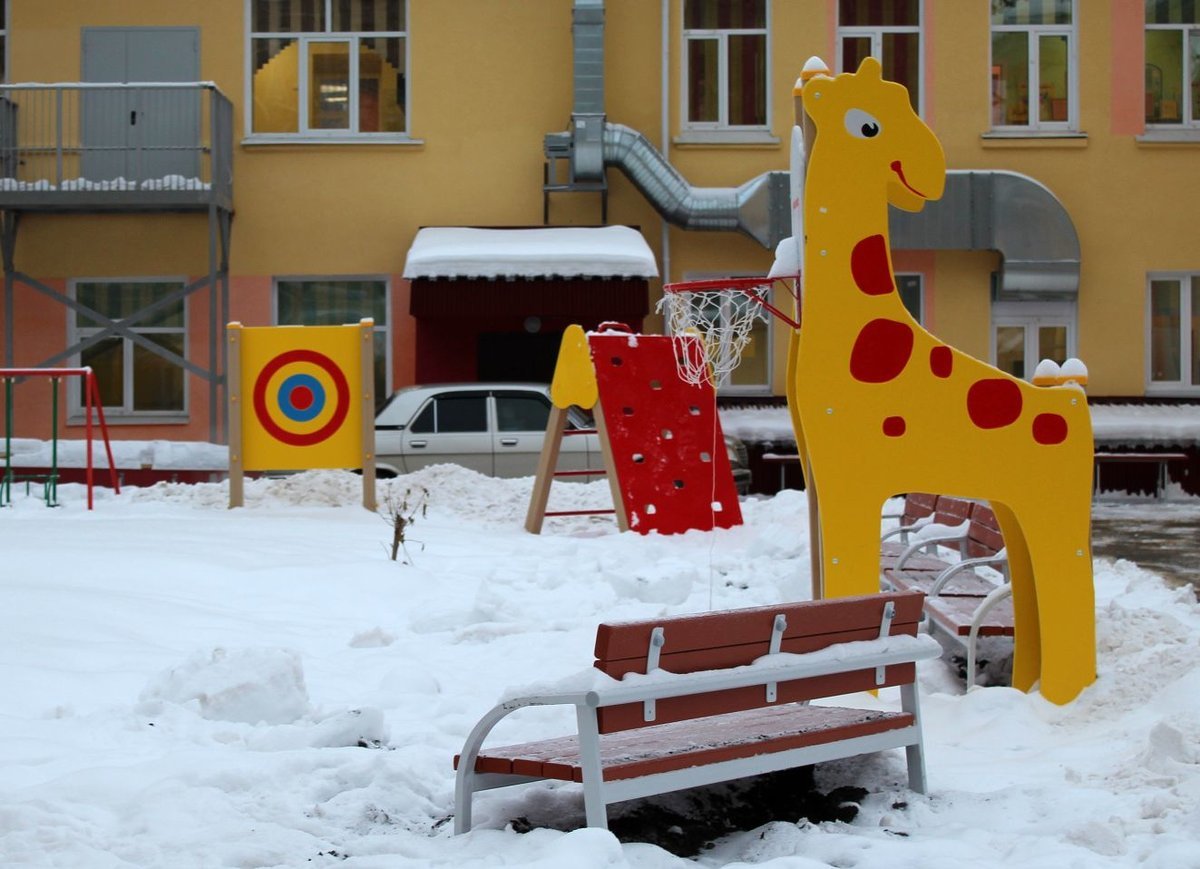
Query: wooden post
[[233, 388], [545, 469], [367, 358]]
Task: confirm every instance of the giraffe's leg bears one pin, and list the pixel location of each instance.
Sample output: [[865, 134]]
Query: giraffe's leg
[[1058, 537], [849, 525], [1027, 641]]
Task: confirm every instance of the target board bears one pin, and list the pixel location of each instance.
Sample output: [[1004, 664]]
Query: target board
[[301, 397]]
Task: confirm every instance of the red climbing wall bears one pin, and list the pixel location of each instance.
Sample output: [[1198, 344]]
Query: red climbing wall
[[665, 435]]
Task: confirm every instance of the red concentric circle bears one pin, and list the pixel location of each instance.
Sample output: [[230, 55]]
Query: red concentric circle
[[341, 405]]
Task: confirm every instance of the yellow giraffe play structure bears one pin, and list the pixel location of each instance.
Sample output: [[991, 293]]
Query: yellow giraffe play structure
[[883, 407]]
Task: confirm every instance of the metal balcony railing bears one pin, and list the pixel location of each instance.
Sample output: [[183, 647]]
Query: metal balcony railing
[[115, 146]]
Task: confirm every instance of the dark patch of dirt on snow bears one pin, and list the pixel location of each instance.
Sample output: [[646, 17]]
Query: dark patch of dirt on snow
[[688, 822]]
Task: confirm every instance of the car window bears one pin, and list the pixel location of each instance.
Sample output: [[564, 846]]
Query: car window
[[521, 413], [461, 413], [426, 421], [448, 414]]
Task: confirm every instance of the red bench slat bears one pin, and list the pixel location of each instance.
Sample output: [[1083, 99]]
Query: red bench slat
[[631, 640], [955, 614], [714, 641], [695, 742]]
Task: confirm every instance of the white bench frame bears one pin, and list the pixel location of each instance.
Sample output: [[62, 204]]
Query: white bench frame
[[597, 793]]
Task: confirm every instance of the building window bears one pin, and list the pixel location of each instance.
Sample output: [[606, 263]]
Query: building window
[[912, 295], [1172, 64], [320, 68], [133, 376], [725, 65], [1034, 65], [890, 32], [339, 302], [1025, 333], [1174, 342], [3, 40]]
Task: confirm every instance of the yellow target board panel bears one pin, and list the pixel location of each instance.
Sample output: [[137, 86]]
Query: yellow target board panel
[[301, 397]]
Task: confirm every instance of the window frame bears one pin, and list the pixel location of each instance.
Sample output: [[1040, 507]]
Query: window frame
[[920, 279], [4, 44], [1188, 281], [126, 413], [722, 127], [306, 133], [876, 33], [1191, 124], [1033, 33], [1031, 316], [385, 329]]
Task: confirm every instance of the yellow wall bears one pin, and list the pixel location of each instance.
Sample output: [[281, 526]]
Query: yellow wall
[[490, 79]]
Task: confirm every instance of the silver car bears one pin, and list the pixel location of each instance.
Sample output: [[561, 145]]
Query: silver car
[[493, 428]]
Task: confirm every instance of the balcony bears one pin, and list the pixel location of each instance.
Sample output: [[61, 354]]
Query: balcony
[[115, 147]]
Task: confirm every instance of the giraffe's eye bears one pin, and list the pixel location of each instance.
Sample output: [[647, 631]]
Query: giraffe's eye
[[861, 125]]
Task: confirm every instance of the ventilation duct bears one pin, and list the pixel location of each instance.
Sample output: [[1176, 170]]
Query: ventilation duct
[[758, 208], [1006, 212]]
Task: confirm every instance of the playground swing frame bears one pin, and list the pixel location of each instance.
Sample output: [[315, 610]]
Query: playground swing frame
[[91, 394]]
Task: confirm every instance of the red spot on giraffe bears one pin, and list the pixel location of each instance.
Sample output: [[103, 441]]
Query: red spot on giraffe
[[1049, 428], [941, 361], [869, 266], [894, 426], [881, 351], [994, 403]]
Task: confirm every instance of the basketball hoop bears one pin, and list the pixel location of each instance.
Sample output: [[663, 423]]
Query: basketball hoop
[[722, 313]]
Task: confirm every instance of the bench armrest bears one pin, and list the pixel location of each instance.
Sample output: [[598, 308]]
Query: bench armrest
[[905, 530], [943, 578], [930, 539]]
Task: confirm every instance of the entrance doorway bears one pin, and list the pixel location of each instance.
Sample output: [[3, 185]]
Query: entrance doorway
[[517, 356]]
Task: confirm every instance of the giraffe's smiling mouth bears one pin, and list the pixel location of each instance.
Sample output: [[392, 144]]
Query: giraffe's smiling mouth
[[899, 170]]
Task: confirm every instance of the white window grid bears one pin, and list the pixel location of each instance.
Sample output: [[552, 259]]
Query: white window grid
[[305, 39], [75, 332], [1187, 33], [1182, 386], [1034, 32], [721, 37], [876, 34]]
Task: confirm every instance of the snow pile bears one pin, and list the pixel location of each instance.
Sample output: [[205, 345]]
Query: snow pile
[[187, 685]]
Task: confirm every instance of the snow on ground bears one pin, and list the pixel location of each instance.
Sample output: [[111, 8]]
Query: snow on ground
[[189, 686]]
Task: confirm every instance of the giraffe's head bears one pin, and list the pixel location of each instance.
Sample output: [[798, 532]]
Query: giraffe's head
[[866, 128]]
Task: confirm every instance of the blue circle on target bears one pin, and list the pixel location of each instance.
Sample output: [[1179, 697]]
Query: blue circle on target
[[301, 397]]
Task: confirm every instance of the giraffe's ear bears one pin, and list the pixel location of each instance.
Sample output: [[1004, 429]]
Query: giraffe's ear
[[870, 68]]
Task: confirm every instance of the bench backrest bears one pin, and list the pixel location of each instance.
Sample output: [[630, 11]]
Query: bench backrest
[[984, 537], [917, 505], [732, 638]]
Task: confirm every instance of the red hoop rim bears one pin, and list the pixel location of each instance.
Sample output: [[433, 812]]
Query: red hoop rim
[[742, 285], [739, 283]]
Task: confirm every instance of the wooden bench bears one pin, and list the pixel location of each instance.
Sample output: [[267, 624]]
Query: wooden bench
[[685, 701], [962, 603]]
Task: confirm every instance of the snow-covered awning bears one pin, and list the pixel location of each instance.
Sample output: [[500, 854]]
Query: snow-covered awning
[[470, 252]]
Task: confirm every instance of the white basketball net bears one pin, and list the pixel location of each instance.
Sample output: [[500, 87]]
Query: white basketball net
[[722, 319]]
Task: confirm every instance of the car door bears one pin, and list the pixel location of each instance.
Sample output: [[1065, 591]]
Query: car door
[[451, 427], [521, 418]]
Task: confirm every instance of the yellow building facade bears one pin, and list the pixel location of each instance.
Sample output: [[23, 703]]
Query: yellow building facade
[[272, 161]]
